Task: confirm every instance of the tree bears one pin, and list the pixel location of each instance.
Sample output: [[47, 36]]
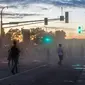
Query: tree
[[36, 34], [15, 34], [8, 38], [36, 31]]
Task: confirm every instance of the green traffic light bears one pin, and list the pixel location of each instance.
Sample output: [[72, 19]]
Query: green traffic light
[[47, 39], [79, 29]]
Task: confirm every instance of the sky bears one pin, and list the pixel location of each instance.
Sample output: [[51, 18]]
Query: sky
[[25, 10]]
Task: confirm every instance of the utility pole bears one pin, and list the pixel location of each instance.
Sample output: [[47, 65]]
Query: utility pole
[[61, 16], [61, 11], [2, 30]]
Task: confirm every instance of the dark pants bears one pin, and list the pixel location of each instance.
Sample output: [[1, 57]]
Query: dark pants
[[10, 61], [15, 66], [60, 59]]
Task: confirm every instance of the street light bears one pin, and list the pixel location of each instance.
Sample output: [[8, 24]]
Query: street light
[[2, 30]]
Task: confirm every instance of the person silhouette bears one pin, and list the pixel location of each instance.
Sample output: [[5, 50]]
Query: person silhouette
[[14, 56], [60, 54], [9, 59]]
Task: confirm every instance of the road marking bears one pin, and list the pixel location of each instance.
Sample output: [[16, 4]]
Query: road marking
[[4, 62], [22, 72]]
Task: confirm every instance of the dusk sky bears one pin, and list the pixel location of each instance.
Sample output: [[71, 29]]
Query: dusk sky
[[23, 10]]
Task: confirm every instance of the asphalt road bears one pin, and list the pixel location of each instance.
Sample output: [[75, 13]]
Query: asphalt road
[[5, 71], [70, 73]]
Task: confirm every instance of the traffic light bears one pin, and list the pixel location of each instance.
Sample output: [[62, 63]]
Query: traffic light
[[47, 39], [45, 21], [79, 29], [66, 17], [61, 18]]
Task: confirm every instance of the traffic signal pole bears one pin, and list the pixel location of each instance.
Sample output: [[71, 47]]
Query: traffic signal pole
[[1, 37]]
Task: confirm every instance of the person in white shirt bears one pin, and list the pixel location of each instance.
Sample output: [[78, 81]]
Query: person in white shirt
[[60, 54]]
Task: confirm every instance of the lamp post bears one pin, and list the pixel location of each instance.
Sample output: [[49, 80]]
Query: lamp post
[[2, 19], [61, 11], [2, 30]]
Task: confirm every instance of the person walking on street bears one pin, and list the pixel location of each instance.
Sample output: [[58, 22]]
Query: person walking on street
[[60, 54], [10, 60], [14, 56]]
